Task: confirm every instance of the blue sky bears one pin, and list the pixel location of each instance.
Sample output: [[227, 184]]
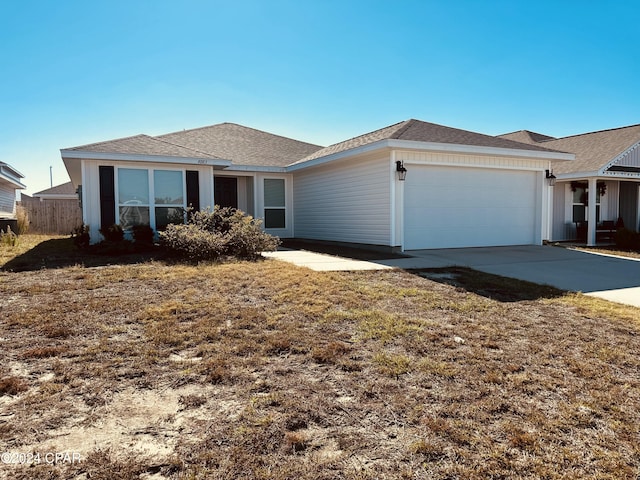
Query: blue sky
[[77, 72]]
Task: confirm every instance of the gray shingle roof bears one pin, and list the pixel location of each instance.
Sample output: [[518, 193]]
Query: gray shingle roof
[[143, 145], [62, 189], [243, 145], [526, 136], [419, 131], [593, 150]]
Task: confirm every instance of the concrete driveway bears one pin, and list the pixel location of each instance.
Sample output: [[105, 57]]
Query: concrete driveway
[[612, 278]]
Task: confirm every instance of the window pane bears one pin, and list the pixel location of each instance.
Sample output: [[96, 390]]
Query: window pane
[[133, 186], [578, 213], [274, 218], [167, 187], [131, 215], [167, 215], [274, 192]]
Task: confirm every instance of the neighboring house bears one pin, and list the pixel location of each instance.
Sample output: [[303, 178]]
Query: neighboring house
[[64, 191], [462, 188], [605, 174], [10, 183]]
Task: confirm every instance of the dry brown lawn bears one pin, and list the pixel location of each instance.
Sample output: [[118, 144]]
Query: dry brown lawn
[[265, 370]]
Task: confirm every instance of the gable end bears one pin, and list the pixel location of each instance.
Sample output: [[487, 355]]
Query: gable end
[[627, 162]]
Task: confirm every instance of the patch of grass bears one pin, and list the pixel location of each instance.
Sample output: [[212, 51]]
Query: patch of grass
[[495, 287], [26, 243], [392, 364], [12, 386], [597, 307], [44, 352], [383, 326], [261, 370], [331, 353], [611, 251]]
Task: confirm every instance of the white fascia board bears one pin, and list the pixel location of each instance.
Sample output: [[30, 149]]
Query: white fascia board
[[124, 157], [576, 175], [434, 147], [339, 155], [621, 175], [479, 150], [255, 168]]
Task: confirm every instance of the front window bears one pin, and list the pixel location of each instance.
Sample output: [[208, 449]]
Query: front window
[[133, 197], [143, 202], [169, 193], [581, 204], [274, 203]]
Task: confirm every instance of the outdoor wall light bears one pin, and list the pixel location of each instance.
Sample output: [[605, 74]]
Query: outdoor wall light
[[401, 170], [551, 178]]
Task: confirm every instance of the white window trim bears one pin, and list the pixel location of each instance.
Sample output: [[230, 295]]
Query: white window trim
[[152, 204], [278, 207]]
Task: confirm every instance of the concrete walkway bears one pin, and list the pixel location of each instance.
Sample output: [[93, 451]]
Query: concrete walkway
[[323, 263], [605, 276]]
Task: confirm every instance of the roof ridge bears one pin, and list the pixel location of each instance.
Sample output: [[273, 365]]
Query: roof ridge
[[399, 124], [406, 124], [242, 126], [596, 131]]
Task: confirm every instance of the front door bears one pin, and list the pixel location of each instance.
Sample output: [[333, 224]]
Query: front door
[[225, 191]]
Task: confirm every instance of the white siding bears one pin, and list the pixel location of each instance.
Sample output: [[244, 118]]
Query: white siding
[[612, 200], [631, 158], [7, 200], [485, 161], [346, 201]]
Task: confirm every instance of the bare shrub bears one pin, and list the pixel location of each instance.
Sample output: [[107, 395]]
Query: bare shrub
[[22, 215], [221, 232]]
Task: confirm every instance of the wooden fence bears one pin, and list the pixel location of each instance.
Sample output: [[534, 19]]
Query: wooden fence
[[52, 216]]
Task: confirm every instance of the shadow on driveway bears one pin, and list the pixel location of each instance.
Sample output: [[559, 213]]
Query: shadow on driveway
[[495, 287]]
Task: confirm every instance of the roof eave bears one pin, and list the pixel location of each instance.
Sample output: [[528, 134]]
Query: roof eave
[[87, 155], [255, 168], [15, 183], [434, 147], [482, 150], [380, 144]]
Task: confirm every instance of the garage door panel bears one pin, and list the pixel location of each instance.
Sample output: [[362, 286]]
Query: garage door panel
[[462, 207]]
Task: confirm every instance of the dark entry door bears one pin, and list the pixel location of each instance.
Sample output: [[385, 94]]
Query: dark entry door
[[225, 191]]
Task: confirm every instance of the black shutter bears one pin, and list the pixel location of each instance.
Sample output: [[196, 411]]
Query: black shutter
[[107, 197], [193, 190]]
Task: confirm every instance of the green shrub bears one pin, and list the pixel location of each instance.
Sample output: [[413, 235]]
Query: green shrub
[[81, 237], [142, 235], [221, 232], [112, 233], [627, 239]]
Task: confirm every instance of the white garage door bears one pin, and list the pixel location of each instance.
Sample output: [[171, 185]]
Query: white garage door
[[449, 207]]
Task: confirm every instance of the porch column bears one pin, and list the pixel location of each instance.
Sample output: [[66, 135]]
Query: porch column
[[591, 229]]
